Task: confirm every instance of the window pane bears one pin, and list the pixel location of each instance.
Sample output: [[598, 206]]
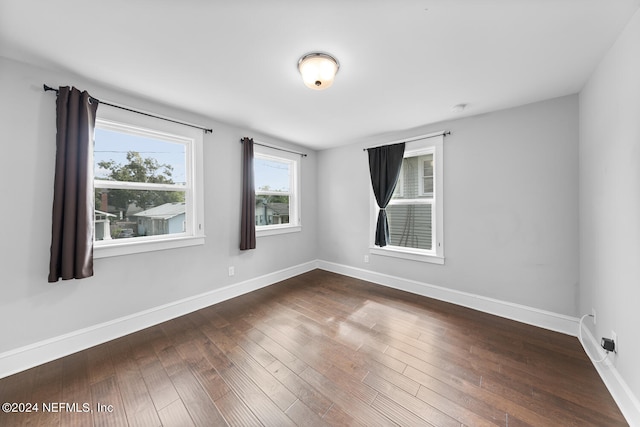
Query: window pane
[[413, 171], [427, 174], [410, 176], [131, 213], [271, 175], [410, 225], [272, 210], [120, 156]]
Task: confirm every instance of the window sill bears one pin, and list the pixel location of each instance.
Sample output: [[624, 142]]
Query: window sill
[[406, 254], [140, 246], [273, 230]]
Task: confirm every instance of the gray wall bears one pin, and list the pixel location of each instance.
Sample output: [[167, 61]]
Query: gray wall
[[610, 200], [510, 207], [32, 309]]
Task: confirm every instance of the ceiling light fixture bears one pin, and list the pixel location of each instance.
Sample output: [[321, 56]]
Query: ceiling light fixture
[[318, 70]]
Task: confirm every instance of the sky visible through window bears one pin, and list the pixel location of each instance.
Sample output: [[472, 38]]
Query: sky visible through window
[[271, 173], [111, 145]]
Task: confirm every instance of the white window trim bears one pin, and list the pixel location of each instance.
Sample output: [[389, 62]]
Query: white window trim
[[295, 222], [121, 120], [419, 145]]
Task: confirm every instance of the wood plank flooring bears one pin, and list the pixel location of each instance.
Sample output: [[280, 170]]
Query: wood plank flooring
[[322, 349]]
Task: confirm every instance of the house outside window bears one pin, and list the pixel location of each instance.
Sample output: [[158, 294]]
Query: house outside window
[[415, 211], [277, 187], [147, 183]]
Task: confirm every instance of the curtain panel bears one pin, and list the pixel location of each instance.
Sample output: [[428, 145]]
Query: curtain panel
[[73, 199], [248, 215], [384, 166]]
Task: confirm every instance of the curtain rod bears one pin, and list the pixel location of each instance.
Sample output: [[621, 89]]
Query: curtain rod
[[206, 130], [417, 138], [277, 148]]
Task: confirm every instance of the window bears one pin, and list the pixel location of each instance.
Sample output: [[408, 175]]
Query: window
[[277, 191], [415, 211], [147, 184]]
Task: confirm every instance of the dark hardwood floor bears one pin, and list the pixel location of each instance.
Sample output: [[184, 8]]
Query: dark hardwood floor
[[322, 349]]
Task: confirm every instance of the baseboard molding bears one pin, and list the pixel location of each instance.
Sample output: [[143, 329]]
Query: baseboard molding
[[521, 313], [35, 354], [627, 402]]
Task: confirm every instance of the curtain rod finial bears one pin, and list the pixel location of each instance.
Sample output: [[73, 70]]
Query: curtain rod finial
[[48, 88]]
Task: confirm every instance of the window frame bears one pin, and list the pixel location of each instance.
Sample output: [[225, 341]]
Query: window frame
[[420, 145], [135, 124], [293, 159]]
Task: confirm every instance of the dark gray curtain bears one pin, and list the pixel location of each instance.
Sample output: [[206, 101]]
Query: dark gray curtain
[[73, 199], [384, 166], [248, 217]]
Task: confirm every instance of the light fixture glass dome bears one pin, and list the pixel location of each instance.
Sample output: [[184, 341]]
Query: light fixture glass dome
[[318, 70]]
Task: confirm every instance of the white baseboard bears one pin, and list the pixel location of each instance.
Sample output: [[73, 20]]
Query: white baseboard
[[627, 402], [521, 313], [35, 354]]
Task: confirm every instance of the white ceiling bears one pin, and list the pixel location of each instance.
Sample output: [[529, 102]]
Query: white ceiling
[[404, 63]]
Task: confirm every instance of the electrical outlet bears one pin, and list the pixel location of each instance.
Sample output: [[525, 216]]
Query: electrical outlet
[[366, 259], [614, 337], [232, 271], [593, 313]]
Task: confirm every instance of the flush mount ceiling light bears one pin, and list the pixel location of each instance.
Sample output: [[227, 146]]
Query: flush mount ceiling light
[[318, 70]]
